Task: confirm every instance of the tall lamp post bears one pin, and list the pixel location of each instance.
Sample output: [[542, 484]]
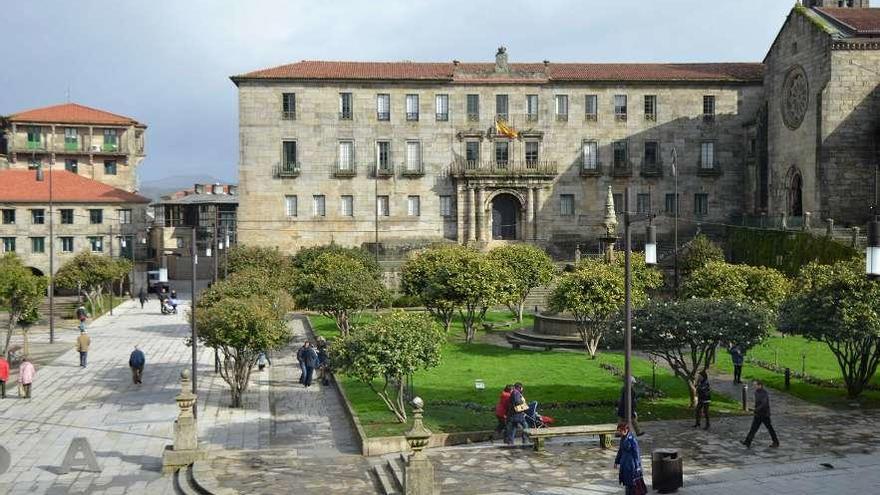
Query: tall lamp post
[[194, 254], [872, 252], [51, 254], [675, 221]]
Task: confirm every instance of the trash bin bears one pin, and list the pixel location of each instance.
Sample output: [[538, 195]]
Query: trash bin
[[666, 471]]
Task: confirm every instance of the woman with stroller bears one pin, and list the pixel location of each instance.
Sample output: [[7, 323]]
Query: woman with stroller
[[516, 413], [501, 409]]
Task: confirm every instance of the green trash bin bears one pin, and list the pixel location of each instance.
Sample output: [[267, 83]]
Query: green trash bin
[[666, 470]]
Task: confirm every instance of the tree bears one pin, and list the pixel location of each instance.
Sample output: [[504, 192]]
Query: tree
[[387, 350], [21, 292], [340, 287], [836, 304], [275, 266], [306, 256], [424, 276], [686, 333], [474, 283], [756, 285], [700, 251], [241, 317], [526, 267], [91, 274]]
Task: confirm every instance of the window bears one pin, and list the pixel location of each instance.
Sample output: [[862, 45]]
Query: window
[[38, 216], [124, 216], [110, 142], [442, 104], [8, 217], [288, 106], [383, 206], [9, 244], [38, 244], [707, 155], [346, 205], [502, 152], [345, 106], [412, 107], [383, 106], [669, 207], [71, 165], [501, 108], [288, 150], [652, 153], [621, 160], [346, 156], [96, 243], [34, 138], [566, 205], [473, 107], [620, 108], [701, 204], [96, 216], [109, 167], [71, 140], [643, 203], [413, 156], [590, 152], [413, 206], [618, 202], [290, 206], [472, 152], [532, 108], [651, 107], [708, 107], [445, 206], [591, 107], [319, 205], [561, 107], [66, 216], [531, 153], [383, 155], [66, 244]]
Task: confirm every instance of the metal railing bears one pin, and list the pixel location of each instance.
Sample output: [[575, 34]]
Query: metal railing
[[287, 170], [442, 117], [383, 116], [519, 168], [288, 115], [412, 170], [345, 170], [412, 116]]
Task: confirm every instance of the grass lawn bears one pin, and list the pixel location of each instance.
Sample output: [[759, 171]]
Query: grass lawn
[[551, 378]]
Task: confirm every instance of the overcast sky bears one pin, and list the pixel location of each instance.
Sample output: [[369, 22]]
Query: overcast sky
[[167, 63]]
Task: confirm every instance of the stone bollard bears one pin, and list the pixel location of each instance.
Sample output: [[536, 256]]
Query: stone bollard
[[807, 216], [419, 473], [829, 231], [783, 221], [185, 450], [855, 237]]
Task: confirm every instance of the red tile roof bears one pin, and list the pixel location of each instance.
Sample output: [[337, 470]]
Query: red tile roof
[[861, 22], [21, 186], [519, 73], [72, 113]]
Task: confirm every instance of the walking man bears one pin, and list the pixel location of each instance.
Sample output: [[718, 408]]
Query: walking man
[[81, 315], [737, 357], [142, 297], [26, 373], [704, 398], [762, 416], [310, 360], [4, 376], [82, 346], [621, 408], [300, 358], [136, 362]]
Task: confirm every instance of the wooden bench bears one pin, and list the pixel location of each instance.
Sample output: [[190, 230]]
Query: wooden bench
[[605, 433]]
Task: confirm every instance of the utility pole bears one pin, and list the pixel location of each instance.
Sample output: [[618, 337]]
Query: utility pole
[[111, 259], [194, 253], [675, 228], [627, 350], [51, 262], [215, 256]]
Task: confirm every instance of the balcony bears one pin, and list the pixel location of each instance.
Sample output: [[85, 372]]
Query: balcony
[[622, 169], [287, 170], [383, 171], [412, 116], [345, 115], [561, 117], [412, 170], [383, 116], [709, 170], [519, 168], [288, 115], [531, 117], [595, 170], [344, 170], [442, 117], [473, 117], [652, 169]]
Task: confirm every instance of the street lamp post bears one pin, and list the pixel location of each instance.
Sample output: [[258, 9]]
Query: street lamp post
[[51, 254], [872, 252], [194, 253]]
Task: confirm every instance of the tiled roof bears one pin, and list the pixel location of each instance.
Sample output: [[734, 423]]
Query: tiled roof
[[519, 73], [859, 22], [22, 186], [72, 113]]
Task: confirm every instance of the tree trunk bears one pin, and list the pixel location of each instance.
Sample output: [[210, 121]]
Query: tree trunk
[[593, 347], [692, 388], [9, 329], [519, 311]]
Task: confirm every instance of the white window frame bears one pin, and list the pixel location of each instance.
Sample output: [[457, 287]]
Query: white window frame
[[441, 104], [383, 205], [532, 105], [413, 166], [124, 216], [413, 206], [383, 106], [346, 205], [345, 158], [291, 205], [591, 107], [64, 241], [446, 206], [590, 154], [561, 102], [93, 244], [412, 107], [319, 205], [566, 205], [621, 107], [379, 165], [707, 155]]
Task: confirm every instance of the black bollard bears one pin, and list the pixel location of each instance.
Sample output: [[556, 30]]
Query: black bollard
[[745, 397], [787, 378]]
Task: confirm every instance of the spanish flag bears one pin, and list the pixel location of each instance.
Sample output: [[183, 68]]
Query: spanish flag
[[501, 127]]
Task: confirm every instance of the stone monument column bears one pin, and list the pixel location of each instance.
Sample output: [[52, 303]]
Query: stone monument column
[[419, 476], [530, 214], [481, 217], [460, 212], [185, 450], [472, 216]]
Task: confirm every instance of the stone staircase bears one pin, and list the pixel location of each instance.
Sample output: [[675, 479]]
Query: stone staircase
[[537, 297], [198, 479], [528, 338], [388, 474]]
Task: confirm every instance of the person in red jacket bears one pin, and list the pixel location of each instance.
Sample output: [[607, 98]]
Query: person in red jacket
[[501, 409], [4, 376]]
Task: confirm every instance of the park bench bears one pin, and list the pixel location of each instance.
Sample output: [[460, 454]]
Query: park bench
[[605, 432]]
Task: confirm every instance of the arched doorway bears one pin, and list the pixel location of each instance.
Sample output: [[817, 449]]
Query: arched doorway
[[795, 195], [505, 217]]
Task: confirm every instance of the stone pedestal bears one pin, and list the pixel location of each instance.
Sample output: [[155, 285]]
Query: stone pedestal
[[185, 450], [419, 476]]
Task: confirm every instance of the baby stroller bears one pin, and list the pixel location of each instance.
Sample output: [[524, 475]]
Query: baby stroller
[[533, 418]]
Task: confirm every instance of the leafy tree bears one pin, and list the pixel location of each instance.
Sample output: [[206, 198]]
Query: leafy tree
[[526, 267], [686, 333], [21, 292], [306, 256], [275, 267], [393, 346], [699, 252], [241, 317], [340, 287], [836, 304], [757, 285], [473, 283], [424, 276], [91, 274]]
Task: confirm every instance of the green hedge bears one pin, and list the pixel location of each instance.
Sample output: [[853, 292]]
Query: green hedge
[[785, 251]]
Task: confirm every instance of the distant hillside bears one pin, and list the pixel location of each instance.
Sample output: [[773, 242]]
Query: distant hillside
[[155, 189]]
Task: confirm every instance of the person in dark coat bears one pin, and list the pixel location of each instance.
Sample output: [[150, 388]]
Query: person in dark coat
[[300, 358], [310, 360], [737, 356], [142, 297], [762, 416], [628, 462], [704, 398], [137, 361], [515, 418], [621, 407]]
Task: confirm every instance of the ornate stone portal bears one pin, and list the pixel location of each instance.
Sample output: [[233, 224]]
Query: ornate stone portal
[[185, 450]]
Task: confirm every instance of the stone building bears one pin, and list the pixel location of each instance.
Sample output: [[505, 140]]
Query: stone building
[[402, 154]]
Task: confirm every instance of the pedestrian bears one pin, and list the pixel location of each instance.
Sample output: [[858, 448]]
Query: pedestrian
[[142, 297], [136, 361], [310, 360], [323, 362], [300, 359], [621, 407], [262, 360], [501, 409], [4, 376], [762, 416], [82, 346], [81, 315], [737, 356], [516, 410], [26, 373], [704, 398], [628, 462]]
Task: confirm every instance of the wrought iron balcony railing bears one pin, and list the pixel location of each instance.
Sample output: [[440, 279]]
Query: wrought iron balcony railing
[[510, 168]]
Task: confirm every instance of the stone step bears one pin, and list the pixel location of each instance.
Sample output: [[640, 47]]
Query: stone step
[[182, 485], [383, 480], [396, 468]]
